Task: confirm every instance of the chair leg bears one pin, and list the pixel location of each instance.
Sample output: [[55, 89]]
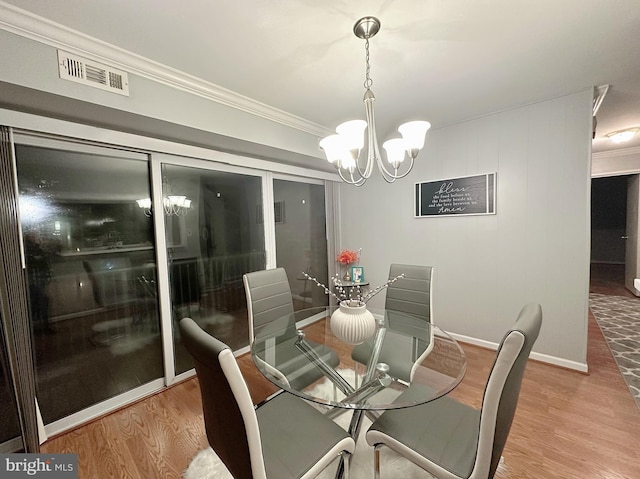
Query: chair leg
[[347, 464], [376, 461]]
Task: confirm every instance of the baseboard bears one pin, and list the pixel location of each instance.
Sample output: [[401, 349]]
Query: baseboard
[[543, 358]]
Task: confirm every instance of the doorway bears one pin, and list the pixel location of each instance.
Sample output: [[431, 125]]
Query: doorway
[[608, 235]]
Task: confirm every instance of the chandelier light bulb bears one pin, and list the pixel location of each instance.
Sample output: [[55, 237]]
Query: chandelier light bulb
[[144, 203], [352, 133], [395, 149], [348, 163], [334, 149], [413, 133]]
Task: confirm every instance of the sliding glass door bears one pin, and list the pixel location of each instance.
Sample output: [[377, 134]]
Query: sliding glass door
[[120, 245], [90, 262], [214, 234]]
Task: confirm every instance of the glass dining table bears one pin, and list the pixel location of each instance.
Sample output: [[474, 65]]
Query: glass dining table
[[408, 361]]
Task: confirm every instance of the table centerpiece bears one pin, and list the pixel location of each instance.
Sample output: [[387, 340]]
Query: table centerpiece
[[352, 322]]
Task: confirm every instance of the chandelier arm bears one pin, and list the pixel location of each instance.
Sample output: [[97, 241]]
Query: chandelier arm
[[362, 172], [352, 181], [394, 175], [373, 153], [360, 181]]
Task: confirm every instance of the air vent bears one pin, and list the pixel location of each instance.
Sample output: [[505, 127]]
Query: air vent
[[88, 72]]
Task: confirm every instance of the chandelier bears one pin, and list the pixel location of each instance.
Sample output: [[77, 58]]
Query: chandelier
[[173, 205], [343, 149]]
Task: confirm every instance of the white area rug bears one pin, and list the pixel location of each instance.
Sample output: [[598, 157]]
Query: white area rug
[[206, 464], [128, 338]]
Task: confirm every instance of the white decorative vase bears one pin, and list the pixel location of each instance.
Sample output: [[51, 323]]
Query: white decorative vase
[[353, 324]]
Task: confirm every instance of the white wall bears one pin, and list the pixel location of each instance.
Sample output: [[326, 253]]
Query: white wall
[[536, 248], [625, 161]]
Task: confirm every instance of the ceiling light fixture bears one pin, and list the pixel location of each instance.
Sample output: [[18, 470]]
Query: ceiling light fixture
[[173, 205], [343, 149], [623, 136]]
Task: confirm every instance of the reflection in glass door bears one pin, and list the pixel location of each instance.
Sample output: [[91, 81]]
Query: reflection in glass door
[[301, 239], [215, 234], [90, 260]]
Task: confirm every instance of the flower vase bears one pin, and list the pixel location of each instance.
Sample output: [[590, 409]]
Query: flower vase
[[347, 276], [352, 322]]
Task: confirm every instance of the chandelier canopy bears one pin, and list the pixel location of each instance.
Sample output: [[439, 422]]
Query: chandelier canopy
[[343, 149]]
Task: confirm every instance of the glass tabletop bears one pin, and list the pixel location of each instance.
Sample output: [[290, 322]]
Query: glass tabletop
[[407, 361]]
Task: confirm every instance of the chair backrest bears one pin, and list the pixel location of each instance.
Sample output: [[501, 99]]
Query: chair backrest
[[229, 416], [503, 389], [268, 298], [411, 294]]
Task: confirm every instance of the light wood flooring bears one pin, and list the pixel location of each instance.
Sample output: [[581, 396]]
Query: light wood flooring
[[568, 424]]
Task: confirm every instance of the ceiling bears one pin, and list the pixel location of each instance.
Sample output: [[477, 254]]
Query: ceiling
[[441, 60]]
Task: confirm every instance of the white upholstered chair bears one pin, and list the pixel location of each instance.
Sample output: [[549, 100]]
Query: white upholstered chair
[[408, 306], [452, 440], [270, 308], [284, 438]]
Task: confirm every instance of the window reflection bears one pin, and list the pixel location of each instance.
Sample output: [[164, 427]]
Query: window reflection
[[210, 247], [301, 240], [92, 279]]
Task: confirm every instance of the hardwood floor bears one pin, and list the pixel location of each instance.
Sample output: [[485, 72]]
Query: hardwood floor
[[568, 424], [608, 279]]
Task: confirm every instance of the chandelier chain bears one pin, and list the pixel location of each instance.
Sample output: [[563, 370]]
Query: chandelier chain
[[368, 82]]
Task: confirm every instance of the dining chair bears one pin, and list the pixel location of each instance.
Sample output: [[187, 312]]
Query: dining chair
[[270, 308], [283, 438], [450, 439], [408, 306], [412, 293]]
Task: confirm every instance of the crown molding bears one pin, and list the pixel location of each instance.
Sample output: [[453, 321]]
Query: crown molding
[[603, 155], [34, 27]]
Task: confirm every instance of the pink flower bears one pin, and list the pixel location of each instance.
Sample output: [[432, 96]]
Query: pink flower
[[347, 257]]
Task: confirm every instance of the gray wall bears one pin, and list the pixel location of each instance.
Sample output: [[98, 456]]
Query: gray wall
[[27, 63], [536, 248]]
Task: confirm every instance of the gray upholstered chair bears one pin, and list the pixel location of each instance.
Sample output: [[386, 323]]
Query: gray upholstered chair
[[283, 438], [270, 310], [452, 440], [408, 306], [413, 293]]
